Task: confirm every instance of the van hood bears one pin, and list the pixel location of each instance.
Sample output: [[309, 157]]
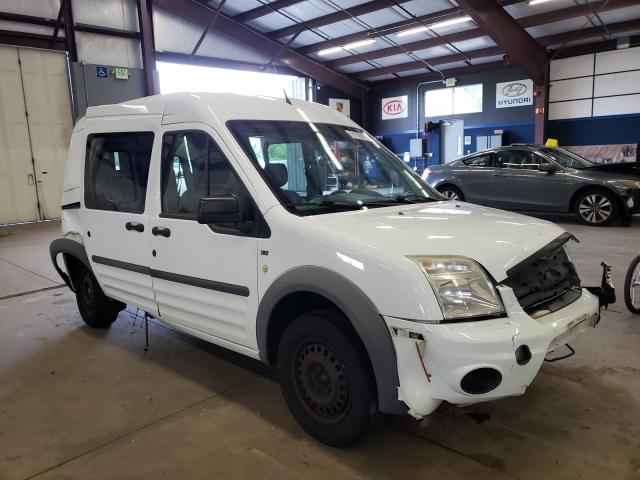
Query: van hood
[[498, 240]]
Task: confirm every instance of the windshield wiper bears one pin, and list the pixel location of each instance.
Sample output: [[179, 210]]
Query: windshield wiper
[[330, 203], [404, 198]]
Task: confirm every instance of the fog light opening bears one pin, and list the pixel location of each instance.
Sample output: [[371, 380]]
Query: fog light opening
[[523, 355], [481, 380]]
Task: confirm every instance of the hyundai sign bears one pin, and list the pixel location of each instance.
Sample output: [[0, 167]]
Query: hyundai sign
[[395, 107], [517, 93]]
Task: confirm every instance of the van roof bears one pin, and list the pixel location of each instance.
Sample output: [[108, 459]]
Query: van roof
[[219, 107]]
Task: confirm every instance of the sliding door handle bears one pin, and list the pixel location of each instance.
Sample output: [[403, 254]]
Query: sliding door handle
[[138, 227], [162, 231]]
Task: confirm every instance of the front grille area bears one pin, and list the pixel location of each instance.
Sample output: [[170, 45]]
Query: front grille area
[[545, 283]]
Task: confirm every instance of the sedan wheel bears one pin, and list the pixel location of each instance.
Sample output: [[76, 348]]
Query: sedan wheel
[[596, 208], [451, 193]]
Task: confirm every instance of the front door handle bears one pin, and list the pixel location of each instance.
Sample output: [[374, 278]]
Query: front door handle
[[499, 175], [162, 231], [138, 227]]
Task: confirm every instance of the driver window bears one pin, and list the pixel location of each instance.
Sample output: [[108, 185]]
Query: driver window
[[193, 167]]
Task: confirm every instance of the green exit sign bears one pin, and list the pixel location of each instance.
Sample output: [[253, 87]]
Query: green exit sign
[[122, 73], [450, 82]]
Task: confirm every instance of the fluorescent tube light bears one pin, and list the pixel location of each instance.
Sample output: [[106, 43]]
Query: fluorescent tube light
[[444, 23], [327, 51], [361, 43], [536, 2], [453, 21], [412, 31]]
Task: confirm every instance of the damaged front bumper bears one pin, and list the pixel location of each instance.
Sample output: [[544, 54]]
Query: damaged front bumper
[[472, 362]]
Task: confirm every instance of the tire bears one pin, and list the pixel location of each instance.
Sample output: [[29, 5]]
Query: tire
[[96, 309], [596, 208], [326, 380], [451, 193], [632, 286]]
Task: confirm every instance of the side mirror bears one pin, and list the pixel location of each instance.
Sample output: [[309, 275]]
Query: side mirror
[[546, 167], [222, 209]]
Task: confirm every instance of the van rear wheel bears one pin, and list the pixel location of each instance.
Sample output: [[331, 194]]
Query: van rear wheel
[[96, 309], [326, 380]]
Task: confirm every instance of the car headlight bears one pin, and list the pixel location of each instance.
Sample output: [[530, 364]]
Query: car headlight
[[461, 286], [625, 183]]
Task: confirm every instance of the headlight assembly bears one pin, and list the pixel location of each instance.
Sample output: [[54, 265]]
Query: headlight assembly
[[625, 183], [461, 286]]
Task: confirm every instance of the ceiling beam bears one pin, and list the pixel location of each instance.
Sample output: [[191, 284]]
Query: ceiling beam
[[111, 32], [241, 33], [408, 47], [522, 48], [34, 40], [441, 60], [337, 16], [575, 11], [263, 10], [452, 72], [593, 32], [378, 32]]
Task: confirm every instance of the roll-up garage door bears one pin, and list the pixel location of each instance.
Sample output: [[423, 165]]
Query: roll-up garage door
[[35, 127]]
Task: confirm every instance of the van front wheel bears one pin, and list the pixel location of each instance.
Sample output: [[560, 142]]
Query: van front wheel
[[326, 380], [96, 309]]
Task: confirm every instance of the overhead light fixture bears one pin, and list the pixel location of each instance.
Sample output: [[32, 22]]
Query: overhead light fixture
[[453, 21], [444, 23], [536, 2], [412, 31], [361, 43], [327, 51], [348, 46]]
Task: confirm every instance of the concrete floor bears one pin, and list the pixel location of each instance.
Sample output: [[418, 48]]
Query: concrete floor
[[80, 403]]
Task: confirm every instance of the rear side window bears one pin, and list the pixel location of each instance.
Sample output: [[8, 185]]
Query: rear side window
[[478, 161], [116, 171]]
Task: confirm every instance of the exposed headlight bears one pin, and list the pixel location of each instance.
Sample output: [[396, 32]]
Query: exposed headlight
[[625, 183], [461, 286]]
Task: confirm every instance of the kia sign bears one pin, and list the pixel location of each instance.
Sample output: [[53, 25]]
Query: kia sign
[[517, 93], [395, 107]]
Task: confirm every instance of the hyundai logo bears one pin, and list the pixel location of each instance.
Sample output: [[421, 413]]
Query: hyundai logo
[[514, 89]]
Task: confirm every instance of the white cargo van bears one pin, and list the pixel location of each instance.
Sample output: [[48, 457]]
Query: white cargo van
[[283, 231]]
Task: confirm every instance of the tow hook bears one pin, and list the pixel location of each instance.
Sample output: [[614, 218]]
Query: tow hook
[[606, 292]]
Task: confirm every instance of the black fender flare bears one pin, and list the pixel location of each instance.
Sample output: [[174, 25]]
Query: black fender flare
[[360, 311], [67, 247]]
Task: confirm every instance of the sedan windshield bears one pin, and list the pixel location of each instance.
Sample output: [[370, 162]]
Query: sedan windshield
[[318, 168], [567, 159]]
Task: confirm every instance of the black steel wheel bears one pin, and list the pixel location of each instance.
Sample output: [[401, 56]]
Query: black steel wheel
[[632, 286], [96, 309], [326, 379]]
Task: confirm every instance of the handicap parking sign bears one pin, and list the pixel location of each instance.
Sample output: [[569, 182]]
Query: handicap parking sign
[[101, 71]]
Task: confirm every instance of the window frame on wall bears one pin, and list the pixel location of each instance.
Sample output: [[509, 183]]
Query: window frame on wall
[[451, 92], [138, 172]]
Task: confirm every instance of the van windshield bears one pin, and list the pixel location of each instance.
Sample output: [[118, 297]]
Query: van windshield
[[319, 168]]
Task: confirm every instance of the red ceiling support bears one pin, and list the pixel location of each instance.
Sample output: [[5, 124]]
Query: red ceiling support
[[263, 10], [69, 33], [521, 47], [337, 16], [241, 33], [147, 45], [444, 59]]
